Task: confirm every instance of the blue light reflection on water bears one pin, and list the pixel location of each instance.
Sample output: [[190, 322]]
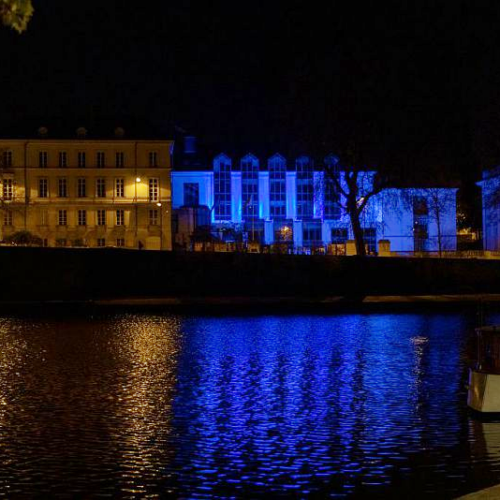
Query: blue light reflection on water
[[315, 403]]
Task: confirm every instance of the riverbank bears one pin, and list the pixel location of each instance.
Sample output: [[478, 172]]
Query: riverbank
[[96, 275]]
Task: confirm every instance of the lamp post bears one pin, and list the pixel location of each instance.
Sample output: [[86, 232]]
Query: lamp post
[[137, 180], [161, 225]]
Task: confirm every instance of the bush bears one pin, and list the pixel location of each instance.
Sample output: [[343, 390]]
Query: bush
[[24, 238]]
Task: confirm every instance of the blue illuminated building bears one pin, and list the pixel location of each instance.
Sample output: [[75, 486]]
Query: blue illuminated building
[[279, 200]]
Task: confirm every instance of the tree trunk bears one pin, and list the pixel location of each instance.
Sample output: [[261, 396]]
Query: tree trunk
[[357, 232]]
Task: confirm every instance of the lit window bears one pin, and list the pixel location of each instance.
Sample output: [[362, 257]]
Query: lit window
[[63, 218], [153, 159], [120, 217], [119, 188], [101, 217], [8, 189], [63, 188], [43, 187], [7, 159], [81, 188], [153, 189], [277, 182], [120, 242], [43, 157], [100, 189], [101, 159], [82, 217], [153, 217], [222, 186], [63, 159], [101, 242], [119, 159], [82, 159], [7, 218], [250, 186]]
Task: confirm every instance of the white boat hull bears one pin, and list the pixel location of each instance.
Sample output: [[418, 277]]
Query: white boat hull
[[484, 392]]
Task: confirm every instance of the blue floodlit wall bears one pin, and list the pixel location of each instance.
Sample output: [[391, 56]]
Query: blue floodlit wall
[[490, 191], [304, 206]]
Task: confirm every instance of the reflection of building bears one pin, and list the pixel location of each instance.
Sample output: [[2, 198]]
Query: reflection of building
[[87, 192], [296, 204]]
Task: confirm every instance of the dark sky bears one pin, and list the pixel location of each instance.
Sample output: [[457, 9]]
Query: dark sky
[[416, 83]]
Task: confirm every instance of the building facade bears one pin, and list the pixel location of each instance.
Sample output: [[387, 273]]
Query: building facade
[[490, 194], [296, 204], [87, 192]]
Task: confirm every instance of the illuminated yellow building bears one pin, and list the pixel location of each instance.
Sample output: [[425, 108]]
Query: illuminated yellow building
[[87, 192]]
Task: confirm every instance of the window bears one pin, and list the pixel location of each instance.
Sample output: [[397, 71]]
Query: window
[[61, 242], [120, 242], [101, 242], [82, 217], [277, 184], [312, 234], [191, 194], [153, 217], [45, 242], [44, 218], [81, 188], [339, 235], [101, 217], [305, 187], [63, 218], [222, 185], [119, 188], [420, 224], [7, 218], [370, 238], [43, 187], [82, 159], [43, 157], [7, 158], [332, 208], [120, 217], [119, 159], [8, 189], [63, 159], [100, 190], [153, 189], [250, 186], [283, 231], [62, 188], [101, 162], [153, 159]]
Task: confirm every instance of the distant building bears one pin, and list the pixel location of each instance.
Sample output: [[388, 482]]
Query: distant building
[[490, 192], [87, 192], [294, 204]]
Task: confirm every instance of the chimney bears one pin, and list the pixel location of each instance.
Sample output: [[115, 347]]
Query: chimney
[[190, 144]]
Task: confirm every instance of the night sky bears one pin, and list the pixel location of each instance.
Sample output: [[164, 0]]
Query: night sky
[[414, 83]]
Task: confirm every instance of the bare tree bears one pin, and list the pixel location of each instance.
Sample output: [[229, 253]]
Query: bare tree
[[356, 187]]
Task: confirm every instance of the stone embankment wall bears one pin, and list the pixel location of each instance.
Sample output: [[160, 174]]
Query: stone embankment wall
[[87, 274]]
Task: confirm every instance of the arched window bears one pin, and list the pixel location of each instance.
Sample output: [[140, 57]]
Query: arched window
[[277, 180], [222, 187], [305, 187], [250, 186]]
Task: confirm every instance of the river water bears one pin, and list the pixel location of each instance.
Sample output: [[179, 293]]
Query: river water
[[136, 405]]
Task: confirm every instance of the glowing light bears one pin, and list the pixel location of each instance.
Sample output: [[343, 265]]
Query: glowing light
[[158, 204], [137, 179]]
